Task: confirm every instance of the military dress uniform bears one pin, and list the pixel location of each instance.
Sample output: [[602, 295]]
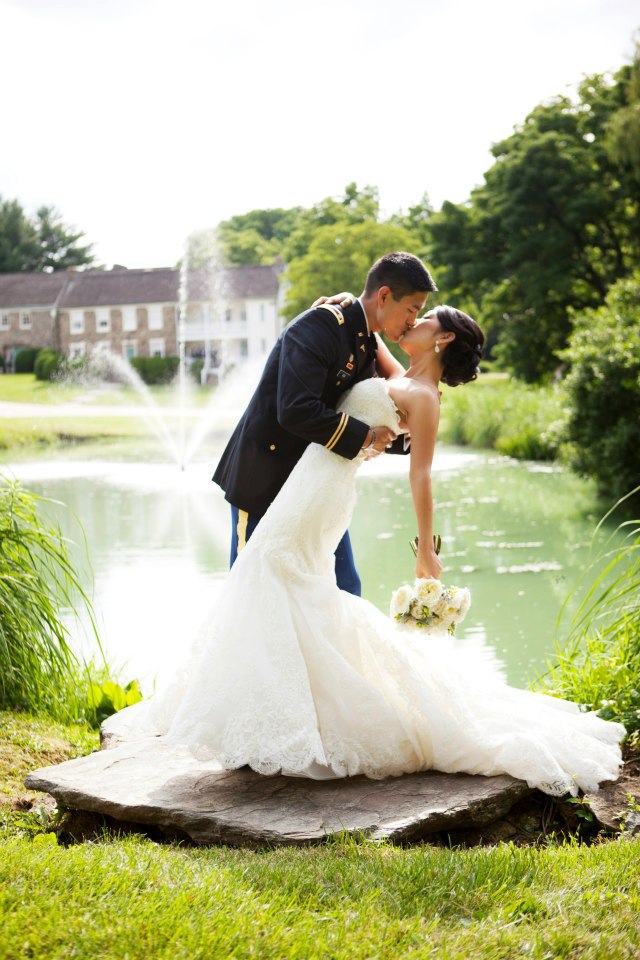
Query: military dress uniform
[[317, 357]]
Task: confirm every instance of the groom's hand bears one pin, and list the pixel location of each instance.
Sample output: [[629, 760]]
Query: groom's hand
[[377, 441], [342, 299]]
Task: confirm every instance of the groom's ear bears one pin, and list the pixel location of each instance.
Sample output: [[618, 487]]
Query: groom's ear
[[384, 293]]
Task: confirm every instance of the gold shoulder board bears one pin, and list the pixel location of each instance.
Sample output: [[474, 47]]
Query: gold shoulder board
[[336, 311]]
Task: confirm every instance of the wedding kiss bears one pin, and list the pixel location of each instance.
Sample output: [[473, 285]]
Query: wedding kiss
[[293, 672]]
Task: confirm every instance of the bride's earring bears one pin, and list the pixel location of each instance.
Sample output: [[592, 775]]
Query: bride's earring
[[437, 348]]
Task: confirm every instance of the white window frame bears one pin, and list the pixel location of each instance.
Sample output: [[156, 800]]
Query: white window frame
[[25, 321], [78, 349], [155, 319], [103, 321], [129, 319], [156, 347], [5, 322], [76, 323]]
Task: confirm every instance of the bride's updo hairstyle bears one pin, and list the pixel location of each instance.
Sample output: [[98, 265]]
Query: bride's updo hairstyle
[[461, 359]]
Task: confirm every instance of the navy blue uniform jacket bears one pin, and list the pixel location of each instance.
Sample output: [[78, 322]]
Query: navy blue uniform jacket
[[317, 357]]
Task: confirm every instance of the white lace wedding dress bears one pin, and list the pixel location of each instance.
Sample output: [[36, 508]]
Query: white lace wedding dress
[[291, 674]]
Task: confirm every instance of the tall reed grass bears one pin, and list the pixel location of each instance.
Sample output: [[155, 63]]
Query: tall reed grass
[[38, 669], [598, 659], [513, 418]]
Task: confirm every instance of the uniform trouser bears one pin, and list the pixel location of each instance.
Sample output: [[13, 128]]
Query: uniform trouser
[[243, 524]]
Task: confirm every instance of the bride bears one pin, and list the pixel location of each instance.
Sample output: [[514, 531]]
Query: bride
[[292, 675]]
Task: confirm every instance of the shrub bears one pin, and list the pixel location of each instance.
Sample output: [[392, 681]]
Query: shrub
[[156, 369], [602, 427], [196, 369], [47, 364], [24, 360]]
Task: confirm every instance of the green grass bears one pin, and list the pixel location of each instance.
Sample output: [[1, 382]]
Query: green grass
[[25, 436], [38, 669], [24, 388], [123, 897], [597, 662], [502, 414]]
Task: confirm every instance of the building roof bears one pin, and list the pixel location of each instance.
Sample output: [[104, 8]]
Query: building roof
[[234, 283], [104, 288], [30, 289]]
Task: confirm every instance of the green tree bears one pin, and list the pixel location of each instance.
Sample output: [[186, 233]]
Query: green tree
[[338, 258], [356, 206], [43, 243], [623, 128], [59, 244], [602, 429], [553, 226], [18, 239], [256, 237]]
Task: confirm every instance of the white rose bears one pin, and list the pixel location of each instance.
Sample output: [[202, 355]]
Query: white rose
[[442, 610], [416, 609], [428, 590], [401, 600]]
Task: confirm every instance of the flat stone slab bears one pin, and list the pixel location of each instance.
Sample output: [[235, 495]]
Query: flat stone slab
[[152, 784]]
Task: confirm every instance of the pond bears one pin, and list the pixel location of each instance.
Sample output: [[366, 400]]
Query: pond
[[517, 534]]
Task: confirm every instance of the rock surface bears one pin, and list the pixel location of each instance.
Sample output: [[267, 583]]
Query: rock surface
[[617, 804], [151, 784]]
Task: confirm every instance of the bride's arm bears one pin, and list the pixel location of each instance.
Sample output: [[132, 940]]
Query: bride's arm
[[423, 416], [386, 364]]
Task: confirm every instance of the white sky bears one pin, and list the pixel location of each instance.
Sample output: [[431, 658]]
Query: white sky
[[142, 120]]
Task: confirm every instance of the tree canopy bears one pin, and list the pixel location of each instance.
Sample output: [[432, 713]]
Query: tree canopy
[[554, 224], [40, 243]]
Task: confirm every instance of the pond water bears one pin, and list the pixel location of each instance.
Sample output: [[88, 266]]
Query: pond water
[[517, 534]]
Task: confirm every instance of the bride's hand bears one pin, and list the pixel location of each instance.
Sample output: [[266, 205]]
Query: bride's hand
[[428, 564], [342, 299]]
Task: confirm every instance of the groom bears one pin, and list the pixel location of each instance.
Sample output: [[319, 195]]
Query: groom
[[318, 356]]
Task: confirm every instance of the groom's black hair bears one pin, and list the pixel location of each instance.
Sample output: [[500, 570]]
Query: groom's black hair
[[403, 273]]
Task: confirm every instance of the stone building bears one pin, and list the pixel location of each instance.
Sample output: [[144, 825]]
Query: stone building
[[223, 317], [29, 304]]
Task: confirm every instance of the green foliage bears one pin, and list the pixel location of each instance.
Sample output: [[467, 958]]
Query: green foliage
[[47, 364], [37, 581], [623, 129], [598, 664], [555, 223], [504, 415], [602, 428], [339, 258], [107, 698], [156, 369], [25, 359], [59, 247], [196, 369], [40, 243], [356, 206]]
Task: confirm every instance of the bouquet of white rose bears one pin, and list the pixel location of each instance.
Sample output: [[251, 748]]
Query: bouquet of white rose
[[429, 605]]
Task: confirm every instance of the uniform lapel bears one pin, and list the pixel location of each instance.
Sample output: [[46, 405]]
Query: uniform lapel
[[365, 343]]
